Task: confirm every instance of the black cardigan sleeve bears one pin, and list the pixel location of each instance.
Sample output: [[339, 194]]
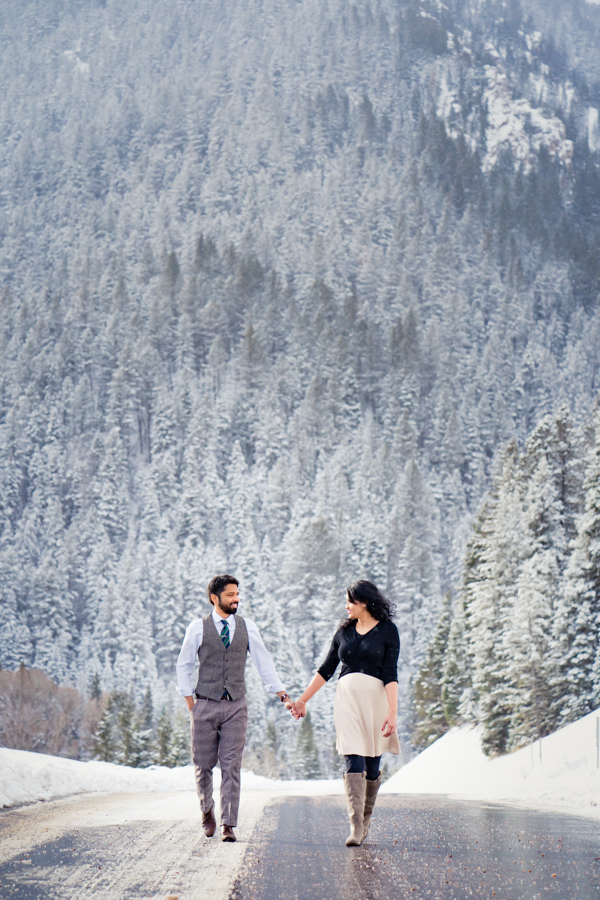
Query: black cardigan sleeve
[[389, 664], [332, 659]]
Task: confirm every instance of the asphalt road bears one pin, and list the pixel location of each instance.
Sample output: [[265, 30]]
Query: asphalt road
[[119, 847], [129, 847], [419, 848]]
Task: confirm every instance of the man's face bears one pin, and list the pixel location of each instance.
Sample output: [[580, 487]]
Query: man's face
[[229, 600]]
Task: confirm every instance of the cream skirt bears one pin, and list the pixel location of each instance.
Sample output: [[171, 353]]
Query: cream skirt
[[359, 711]]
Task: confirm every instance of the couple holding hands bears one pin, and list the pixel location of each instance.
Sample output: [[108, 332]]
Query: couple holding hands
[[366, 699]]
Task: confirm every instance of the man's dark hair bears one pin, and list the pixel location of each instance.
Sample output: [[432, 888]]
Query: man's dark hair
[[218, 584]]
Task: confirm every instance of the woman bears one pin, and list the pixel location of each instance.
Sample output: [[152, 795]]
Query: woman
[[366, 698]]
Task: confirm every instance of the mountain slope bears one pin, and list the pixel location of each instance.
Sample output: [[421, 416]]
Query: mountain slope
[[278, 281]]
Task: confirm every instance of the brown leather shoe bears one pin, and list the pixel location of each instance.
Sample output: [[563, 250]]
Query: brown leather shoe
[[209, 823], [227, 833]]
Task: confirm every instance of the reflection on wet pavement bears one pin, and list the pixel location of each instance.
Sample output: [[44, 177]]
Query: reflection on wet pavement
[[420, 847]]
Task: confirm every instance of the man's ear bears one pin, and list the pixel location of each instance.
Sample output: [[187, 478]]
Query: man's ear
[[212, 598]]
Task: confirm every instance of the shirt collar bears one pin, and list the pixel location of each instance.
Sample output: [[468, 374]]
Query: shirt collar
[[218, 620]]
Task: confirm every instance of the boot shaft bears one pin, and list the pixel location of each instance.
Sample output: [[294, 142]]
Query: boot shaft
[[355, 785]]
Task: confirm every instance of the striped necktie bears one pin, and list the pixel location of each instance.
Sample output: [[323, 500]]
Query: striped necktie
[[225, 635]]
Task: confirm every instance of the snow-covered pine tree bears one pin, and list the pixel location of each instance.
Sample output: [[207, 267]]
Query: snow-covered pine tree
[[180, 745], [164, 738], [489, 596], [306, 762], [128, 743], [578, 617], [146, 737], [528, 632], [15, 637], [429, 716], [552, 494], [456, 691], [414, 584], [105, 737]]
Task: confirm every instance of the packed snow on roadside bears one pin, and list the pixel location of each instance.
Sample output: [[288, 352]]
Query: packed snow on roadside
[[560, 772], [26, 777]]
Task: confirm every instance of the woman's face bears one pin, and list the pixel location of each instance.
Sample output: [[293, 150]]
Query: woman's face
[[354, 609]]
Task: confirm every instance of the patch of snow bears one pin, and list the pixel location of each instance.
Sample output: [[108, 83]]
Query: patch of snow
[[592, 127], [540, 86], [448, 108], [566, 93], [533, 40], [81, 66], [489, 48], [26, 777], [516, 126], [559, 772]]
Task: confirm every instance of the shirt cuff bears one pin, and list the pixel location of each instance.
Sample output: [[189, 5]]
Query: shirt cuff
[[274, 688]]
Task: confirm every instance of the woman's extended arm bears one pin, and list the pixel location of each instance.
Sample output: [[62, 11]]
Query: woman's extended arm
[[322, 676], [315, 685], [389, 725]]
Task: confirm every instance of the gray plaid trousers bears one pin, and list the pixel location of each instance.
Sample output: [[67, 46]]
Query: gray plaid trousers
[[218, 735]]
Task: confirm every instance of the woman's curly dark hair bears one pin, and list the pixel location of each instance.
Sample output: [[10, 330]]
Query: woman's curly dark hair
[[378, 605]]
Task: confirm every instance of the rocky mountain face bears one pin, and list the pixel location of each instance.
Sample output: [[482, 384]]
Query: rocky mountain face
[[280, 280]]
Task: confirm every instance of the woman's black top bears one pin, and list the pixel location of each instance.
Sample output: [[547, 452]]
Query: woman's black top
[[374, 653]]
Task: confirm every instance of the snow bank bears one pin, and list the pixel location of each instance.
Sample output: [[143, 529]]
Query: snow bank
[[560, 771], [562, 774], [26, 777]]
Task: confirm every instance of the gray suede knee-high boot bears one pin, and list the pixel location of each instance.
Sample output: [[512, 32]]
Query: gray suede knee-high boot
[[370, 796], [355, 785]]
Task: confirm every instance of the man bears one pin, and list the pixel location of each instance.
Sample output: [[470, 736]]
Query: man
[[219, 716]]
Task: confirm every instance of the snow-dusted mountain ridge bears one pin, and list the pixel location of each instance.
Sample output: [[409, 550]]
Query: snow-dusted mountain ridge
[[279, 281]]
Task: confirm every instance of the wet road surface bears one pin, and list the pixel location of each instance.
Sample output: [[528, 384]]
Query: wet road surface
[[119, 847], [419, 848]]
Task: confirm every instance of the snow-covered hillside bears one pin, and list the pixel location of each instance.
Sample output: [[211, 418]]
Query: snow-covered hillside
[[278, 282], [560, 771]]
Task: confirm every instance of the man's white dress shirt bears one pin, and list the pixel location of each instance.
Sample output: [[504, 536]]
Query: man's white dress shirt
[[188, 656]]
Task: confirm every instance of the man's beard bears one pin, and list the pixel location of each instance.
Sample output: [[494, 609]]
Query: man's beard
[[228, 609]]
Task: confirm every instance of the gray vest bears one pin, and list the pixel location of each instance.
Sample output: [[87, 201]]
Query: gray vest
[[220, 669]]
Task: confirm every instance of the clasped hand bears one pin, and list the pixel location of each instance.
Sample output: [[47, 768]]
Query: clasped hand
[[292, 706], [298, 709]]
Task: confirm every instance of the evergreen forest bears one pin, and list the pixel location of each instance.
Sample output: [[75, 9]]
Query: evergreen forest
[[518, 649], [306, 291]]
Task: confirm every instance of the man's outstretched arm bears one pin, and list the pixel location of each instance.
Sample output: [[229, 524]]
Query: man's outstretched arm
[[265, 665]]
